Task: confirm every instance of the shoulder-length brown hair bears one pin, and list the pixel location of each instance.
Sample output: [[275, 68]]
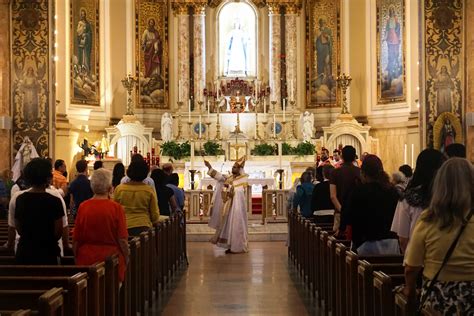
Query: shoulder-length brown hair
[[451, 197]]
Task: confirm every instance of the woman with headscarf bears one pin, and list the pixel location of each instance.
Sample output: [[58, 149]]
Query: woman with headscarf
[[370, 211], [417, 195]]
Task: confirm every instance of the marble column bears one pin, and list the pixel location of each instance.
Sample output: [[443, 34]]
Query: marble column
[[291, 13], [5, 80], [199, 43], [275, 52], [181, 10]]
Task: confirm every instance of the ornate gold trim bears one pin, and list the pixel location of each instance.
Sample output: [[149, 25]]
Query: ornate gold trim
[[199, 8], [180, 8], [274, 8], [292, 8]]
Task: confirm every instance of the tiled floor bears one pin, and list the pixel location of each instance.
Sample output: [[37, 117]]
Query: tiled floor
[[256, 283]]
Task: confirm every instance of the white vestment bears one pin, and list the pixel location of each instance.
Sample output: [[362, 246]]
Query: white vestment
[[24, 155], [232, 229]]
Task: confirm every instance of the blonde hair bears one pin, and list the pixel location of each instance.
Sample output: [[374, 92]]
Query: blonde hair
[[451, 196], [101, 181]]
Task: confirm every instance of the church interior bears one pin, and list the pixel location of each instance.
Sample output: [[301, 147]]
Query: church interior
[[275, 81]]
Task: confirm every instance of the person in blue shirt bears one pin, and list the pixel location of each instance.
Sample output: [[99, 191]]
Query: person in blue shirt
[[80, 188], [303, 196]]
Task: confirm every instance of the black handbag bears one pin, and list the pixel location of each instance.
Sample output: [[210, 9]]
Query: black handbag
[[445, 260]]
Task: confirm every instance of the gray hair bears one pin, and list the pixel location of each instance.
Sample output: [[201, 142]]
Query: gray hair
[[101, 181], [451, 197], [398, 177]]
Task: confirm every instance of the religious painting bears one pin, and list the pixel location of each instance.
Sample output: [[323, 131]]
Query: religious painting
[[31, 82], [151, 51], [390, 51], [447, 130], [85, 52], [444, 51], [323, 49], [237, 40]]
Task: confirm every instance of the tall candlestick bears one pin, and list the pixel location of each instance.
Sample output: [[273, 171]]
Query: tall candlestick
[[274, 125], [284, 108], [199, 126], [208, 109], [405, 154], [413, 155], [189, 110], [256, 121], [280, 152]]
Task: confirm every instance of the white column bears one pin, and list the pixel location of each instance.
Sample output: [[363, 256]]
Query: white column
[[275, 52], [291, 50], [182, 12], [199, 43]]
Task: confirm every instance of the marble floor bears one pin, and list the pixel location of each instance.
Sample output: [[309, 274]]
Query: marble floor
[[260, 282]]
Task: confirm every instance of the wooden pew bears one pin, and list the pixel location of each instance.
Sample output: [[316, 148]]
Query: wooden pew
[[20, 312], [144, 271], [403, 307], [75, 289], [95, 284], [135, 281], [352, 262], [332, 271], [47, 303], [384, 298], [365, 283]]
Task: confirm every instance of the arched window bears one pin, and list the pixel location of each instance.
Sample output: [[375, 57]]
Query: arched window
[[237, 40]]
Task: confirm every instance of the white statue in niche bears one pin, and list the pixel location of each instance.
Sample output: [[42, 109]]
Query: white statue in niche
[[24, 155], [307, 125], [166, 127], [236, 51]]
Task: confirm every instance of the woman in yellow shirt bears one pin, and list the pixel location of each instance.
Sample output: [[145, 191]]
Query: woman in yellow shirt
[[138, 199], [435, 231]]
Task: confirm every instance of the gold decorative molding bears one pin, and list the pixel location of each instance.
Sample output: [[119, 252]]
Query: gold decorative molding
[[180, 8], [274, 8], [200, 8], [292, 8], [216, 3]]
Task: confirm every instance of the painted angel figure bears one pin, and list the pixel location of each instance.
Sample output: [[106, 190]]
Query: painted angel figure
[[307, 125], [166, 127], [444, 85]]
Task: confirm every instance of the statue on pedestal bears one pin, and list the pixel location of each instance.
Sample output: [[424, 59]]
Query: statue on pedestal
[[24, 155], [307, 125], [166, 127]]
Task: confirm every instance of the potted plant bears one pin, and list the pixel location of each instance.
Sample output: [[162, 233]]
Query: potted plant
[[175, 150], [264, 150], [212, 148]]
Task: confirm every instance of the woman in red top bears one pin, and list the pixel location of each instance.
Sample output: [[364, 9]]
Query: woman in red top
[[100, 228]]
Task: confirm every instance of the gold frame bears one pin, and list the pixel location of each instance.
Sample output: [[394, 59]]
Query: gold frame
[[144, 11], [312, 16], [379, 25], [92, 8]]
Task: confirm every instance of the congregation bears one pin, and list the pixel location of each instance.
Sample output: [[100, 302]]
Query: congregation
[[423, 215]]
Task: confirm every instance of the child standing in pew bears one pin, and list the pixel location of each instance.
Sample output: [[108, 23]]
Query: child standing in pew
[[100, 228]]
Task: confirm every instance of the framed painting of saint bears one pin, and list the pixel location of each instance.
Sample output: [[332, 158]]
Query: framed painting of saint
[[391, 51], [151, 53], [85, 52], [323, 49]]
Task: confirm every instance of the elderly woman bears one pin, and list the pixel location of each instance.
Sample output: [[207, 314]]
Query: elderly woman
[[100, 229], [447, 224], [138, 199]]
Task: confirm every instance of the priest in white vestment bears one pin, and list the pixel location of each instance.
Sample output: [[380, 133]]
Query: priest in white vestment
[[229, 209]]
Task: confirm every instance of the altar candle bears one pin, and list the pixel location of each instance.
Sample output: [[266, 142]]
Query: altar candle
[[405, 154], [279, 155], [199, 126], [274, 125], [284, 107], [208, 109], [413, 155], [189, 110], [256, 120]]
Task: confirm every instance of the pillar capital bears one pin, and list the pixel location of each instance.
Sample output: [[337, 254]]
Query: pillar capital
[[292, 8], [199, 8], [180, 8], [274, 8]]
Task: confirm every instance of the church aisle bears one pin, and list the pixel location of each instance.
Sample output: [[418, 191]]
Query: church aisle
[[257, 283]]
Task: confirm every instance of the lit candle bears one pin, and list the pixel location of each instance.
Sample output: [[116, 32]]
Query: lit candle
[[256, 119], [274, 125], [199, 126], [280, 150], [284, 107], [189, 110], [413, 155], [405, 154]]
